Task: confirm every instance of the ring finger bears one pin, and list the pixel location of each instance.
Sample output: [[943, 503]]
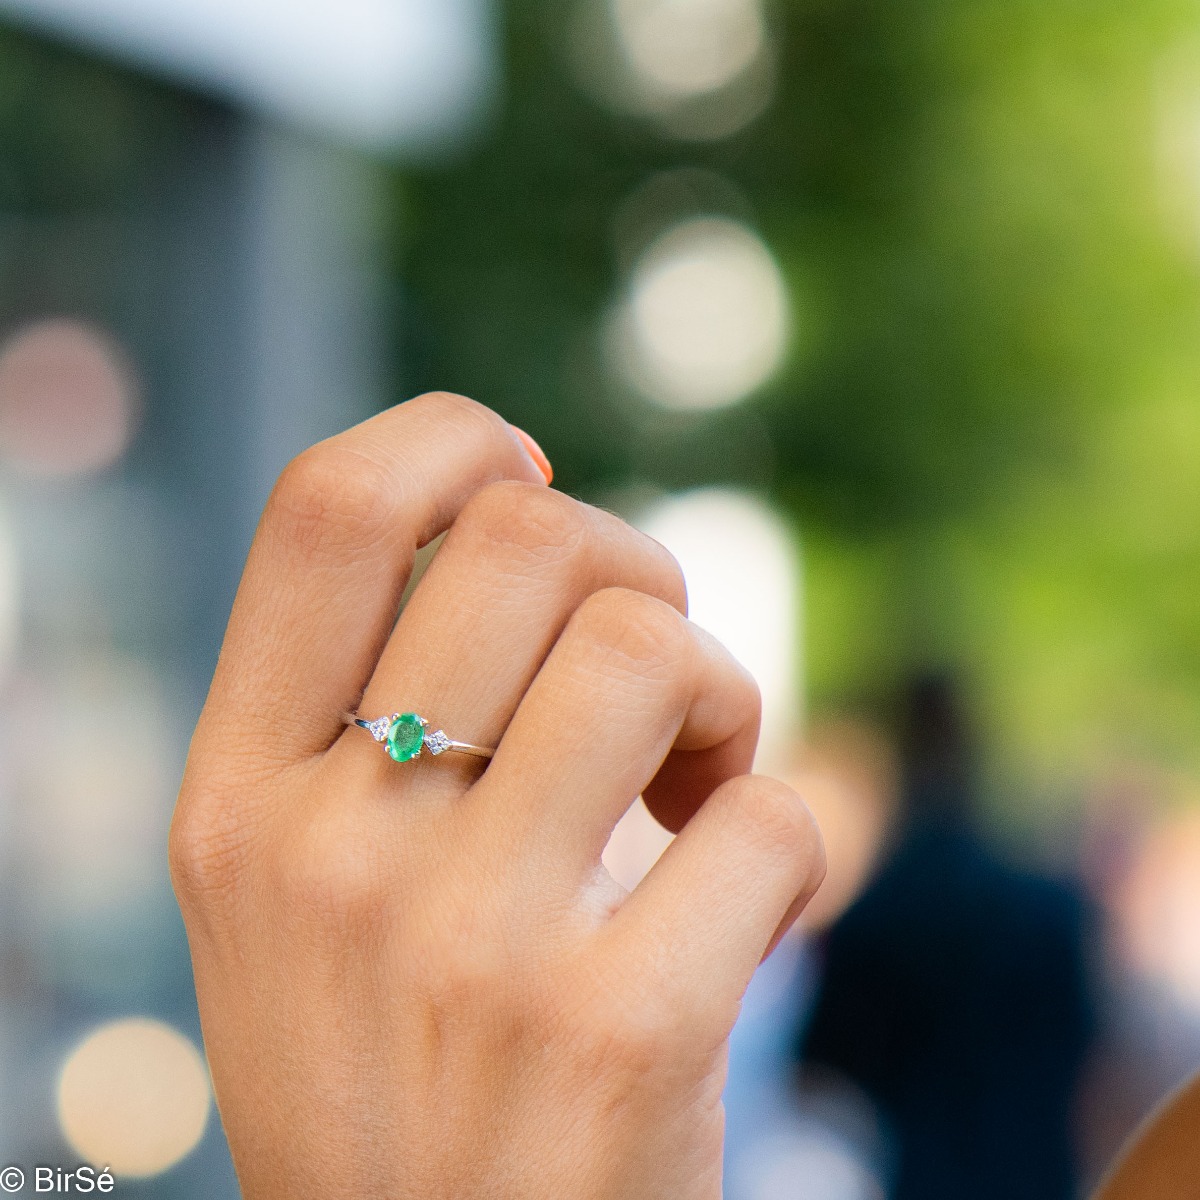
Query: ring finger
[[516, 564]]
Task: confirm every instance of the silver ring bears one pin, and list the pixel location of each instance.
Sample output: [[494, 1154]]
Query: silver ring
[[404, 735]]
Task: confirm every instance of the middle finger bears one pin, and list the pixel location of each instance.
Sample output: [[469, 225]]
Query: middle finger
[[634, 700]]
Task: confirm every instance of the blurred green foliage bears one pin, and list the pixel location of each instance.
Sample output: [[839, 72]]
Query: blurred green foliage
[[987, 432], [989, 427], [77, 134]]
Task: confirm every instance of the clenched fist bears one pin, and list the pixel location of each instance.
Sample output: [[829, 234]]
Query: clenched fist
[[416, 980]]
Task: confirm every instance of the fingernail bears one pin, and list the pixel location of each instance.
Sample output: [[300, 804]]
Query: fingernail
[[537, 454]]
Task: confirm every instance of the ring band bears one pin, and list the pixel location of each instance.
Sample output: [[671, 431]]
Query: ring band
[[404, 735]]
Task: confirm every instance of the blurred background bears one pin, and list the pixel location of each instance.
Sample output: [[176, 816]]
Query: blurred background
[[883, 315]]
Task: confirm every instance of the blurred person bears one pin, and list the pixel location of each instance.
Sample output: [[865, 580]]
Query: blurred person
[[955, 990], [844, 770]]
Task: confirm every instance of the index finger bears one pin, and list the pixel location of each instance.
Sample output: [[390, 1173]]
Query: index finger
[[329, 563]]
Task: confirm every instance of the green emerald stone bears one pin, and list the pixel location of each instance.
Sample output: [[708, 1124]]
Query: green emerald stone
[[405, 736]]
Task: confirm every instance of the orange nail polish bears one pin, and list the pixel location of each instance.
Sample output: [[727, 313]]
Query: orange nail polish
[[536, 453]]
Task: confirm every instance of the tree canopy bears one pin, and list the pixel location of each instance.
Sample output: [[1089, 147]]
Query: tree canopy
[[986, 432]]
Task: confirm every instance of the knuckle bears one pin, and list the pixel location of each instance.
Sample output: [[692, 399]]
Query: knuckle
[[745, 693], [467, 977], [466, 967], [331, 500], [672, 582], [646, 564], [525, 522], [449, 408], [780, 818], [750, 699], [647, 634], [205, 848], [329, 875], [746, 696], [632, 1036]]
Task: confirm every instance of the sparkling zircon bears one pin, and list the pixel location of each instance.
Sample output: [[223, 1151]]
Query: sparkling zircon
[[405, 735], [380, 728], [437, 742]]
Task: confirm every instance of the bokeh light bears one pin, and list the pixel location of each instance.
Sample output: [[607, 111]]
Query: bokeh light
[[685, 48], [95, 819], [700, 69], [743, 578], [812, 1163], [706, 319], [134, 1096], [67, 399], [10, 593]]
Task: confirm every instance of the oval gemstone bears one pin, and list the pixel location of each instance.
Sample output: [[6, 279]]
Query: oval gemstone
[[405, 737]]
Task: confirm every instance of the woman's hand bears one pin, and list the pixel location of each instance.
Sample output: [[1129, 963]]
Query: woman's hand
[[416, 980]]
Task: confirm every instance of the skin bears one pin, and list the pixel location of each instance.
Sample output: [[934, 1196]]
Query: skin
[[418, 980]]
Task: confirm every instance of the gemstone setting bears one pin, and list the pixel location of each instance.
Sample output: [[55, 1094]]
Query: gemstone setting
[[405, 736]]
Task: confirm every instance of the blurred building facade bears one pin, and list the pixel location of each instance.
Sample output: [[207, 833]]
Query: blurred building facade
[[194, 289]]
